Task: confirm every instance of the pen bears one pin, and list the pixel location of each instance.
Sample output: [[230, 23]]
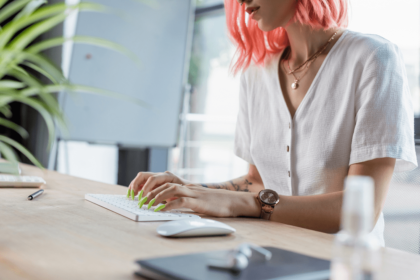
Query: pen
[[35, 194]]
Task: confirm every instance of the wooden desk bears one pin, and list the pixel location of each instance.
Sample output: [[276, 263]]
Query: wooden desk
[[62, 236]]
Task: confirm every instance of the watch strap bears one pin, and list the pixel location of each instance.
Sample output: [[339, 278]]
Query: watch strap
[[266, 211], [264, 215]]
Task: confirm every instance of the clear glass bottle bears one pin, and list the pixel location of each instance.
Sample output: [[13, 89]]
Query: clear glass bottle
[[356, 256]]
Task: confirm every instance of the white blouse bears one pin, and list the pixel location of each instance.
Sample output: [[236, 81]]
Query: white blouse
[[357, 108]]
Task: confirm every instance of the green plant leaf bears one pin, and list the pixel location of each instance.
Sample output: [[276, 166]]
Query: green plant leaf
[[22, 149], [30, 33], [92, 90], [6, 96], [5, 110], [22, 132], [44, 12], [8, 152], [38, 47], [46, 65], [27, 80], [37, 59], [38, 106], [79, 88], [53, 107], [35, 20], [5, 84], [11, 8], [41, 71], [51, 103], [2, 2], [150, 3], [19, 69], [12, 27], [29, 9]]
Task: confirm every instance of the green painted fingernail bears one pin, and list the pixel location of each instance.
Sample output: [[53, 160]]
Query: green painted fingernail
[[141, 194], [142, 201], [128, 192], [151, 203], [160, 207], [132, 194]]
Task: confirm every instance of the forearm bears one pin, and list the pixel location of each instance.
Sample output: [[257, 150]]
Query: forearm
[[243, 184], [317, 212], [323, 212]]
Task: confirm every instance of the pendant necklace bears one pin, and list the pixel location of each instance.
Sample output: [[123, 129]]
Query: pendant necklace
[[307, 63]]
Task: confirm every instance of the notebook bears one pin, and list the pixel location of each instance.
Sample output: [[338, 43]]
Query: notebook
[[284, 265], [129, 208]]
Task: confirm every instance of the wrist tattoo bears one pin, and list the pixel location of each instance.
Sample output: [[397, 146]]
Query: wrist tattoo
[[232, 187], [220, 186], [244, 188], [235, 187], [247, 184]]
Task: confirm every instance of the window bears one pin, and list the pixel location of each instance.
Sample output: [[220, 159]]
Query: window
[[207, 151], [399, 22]]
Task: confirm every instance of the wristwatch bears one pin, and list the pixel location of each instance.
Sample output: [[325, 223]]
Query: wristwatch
[[268, 199]]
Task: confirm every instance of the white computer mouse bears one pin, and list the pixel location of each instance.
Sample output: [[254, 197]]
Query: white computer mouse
[[194, 227]]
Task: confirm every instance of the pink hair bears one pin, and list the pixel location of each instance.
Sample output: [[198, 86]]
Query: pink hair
[[254, 44]]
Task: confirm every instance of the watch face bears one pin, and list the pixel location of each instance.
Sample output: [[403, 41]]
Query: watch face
[[269, 197]]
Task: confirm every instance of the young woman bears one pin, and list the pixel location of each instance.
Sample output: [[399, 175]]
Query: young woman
[[318, 102]]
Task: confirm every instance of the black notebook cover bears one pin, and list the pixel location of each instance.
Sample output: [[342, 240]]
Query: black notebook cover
[[283, 265]]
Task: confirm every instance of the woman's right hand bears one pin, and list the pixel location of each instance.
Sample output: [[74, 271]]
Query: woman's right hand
[[148, 181]]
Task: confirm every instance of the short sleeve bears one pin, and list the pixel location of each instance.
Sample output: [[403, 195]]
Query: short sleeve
[[243, 131], [384, 111]]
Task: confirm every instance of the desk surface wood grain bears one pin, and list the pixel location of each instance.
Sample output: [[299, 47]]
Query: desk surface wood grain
[[59, 235]]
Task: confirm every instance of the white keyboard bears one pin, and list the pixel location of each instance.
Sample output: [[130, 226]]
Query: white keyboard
[[20, 181], [130, 209]]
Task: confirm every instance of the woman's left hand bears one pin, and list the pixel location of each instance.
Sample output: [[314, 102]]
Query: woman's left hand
[[219, 203]]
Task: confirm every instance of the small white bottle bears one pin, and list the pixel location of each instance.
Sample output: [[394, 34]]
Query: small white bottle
[[356, 256]]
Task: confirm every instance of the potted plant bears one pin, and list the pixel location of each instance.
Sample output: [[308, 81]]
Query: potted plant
[[21, 61]]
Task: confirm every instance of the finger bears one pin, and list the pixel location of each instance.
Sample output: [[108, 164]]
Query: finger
[[156, 181], [182, 202], [171, 191], [139, 181], [130, 193], [140, 178], [158, 190], [148, 199], [152, 194]]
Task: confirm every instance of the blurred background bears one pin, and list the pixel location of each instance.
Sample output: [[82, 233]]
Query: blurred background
[[188, 127]]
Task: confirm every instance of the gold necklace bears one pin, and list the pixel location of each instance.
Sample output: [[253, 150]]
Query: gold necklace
[[297, 79], [308, 62]]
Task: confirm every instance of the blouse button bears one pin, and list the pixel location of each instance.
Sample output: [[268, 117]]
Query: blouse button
[[289, 125], [288, 148], [289, 173]]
